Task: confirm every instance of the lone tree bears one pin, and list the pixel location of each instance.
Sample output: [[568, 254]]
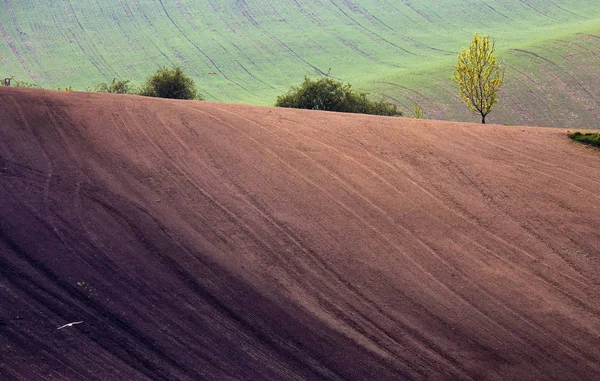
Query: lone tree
[[170, 83], [478, 75]]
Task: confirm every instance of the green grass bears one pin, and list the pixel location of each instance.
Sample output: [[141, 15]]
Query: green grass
[[549, 83], [591, 138], [257, 49]]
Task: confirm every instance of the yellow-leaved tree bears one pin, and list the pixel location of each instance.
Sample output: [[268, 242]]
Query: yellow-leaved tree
[[479, 76]]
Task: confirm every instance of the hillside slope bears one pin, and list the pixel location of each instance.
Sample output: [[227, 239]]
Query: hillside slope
[[198, 240], [252, 51]]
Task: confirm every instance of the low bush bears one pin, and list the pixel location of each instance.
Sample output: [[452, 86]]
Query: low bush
[[592, 138], [328, 94], [170, 83], [117, 86]]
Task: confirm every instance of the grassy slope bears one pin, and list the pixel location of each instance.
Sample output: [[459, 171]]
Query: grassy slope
[[400, 49]]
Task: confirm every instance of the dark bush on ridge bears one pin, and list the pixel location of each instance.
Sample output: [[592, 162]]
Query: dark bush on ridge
[[328, 94], [170, 83], [592, 138]]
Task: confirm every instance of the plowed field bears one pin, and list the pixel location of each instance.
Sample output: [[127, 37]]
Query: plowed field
[[198, 240]]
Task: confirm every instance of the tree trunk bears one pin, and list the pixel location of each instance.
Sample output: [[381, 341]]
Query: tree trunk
[[482, 118]]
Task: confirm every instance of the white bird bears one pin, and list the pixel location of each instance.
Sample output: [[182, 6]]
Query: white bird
[[69, 325]]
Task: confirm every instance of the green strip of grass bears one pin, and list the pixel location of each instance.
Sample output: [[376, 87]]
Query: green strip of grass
[[592, 138]]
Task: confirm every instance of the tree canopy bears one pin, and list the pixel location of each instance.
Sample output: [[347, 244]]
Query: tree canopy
[[478, 75]]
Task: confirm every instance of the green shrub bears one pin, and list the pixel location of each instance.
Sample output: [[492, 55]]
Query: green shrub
[[117, 86], [170, 83], [26, 84], [328, 94], [418, 112], [592, 138]]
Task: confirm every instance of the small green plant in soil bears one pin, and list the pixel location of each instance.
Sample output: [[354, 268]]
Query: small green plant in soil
[[418, 112]]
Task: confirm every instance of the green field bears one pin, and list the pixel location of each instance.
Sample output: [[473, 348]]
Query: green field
[[250, 51]]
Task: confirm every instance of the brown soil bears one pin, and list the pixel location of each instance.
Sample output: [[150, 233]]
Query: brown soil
[[201, 240]]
